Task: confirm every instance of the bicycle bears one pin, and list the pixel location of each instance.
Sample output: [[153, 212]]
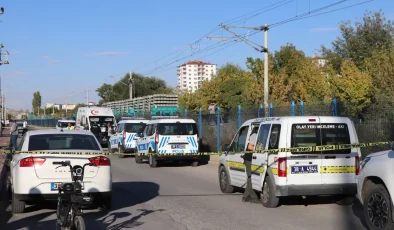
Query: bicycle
[[70, 198]]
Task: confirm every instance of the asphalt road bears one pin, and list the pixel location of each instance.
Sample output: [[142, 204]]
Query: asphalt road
[[182, 197]]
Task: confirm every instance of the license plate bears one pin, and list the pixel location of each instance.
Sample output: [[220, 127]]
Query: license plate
[[177, 146], [304, 169], [55, 186]]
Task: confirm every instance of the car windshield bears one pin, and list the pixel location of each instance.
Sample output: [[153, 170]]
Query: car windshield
[[177, 128], [101, 120], [135, 128], [65, 124], [64, 141]]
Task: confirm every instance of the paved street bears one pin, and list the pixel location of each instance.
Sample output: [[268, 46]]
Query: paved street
[[182, 197]]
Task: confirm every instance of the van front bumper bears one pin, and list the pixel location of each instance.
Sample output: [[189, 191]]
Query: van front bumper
[[316, 190], [201, 158]]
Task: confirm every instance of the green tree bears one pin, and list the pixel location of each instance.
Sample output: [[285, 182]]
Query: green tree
[[381, 67], [143, 86], [36, 102], [353, 87], [358, 42]]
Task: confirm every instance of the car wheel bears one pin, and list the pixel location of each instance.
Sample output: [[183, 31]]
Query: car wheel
[[153, 163], [138, 159], [268, 197], [17, 205], [377, 207], [120, 151], [224, 181], [109, 147], [194, 163]]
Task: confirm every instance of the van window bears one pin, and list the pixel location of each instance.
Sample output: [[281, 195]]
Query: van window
[[239, 142], [305, 135], [63, 124], [135, 127], [177, 129], [263, 136]]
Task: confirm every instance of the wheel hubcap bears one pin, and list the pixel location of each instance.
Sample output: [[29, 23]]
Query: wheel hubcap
[[223, 179], [266, 192], [378, 210]]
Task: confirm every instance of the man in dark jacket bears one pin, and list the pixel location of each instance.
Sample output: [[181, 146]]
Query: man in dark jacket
[[13, 134]]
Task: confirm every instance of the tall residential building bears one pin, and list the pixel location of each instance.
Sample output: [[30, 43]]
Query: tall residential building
[[192, 73]]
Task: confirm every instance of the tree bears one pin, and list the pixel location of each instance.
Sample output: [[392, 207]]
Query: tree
[[36, 103], [143, 86], [358, 42], [381, 67], [353, 87]]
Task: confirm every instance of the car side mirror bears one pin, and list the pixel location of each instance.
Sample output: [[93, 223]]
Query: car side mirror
[[392, 145], [140, 134]]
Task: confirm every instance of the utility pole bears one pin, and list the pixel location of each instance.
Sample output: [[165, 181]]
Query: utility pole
[[87, 96], [65, 100], [2, 102], [131, 82], [259, 48]]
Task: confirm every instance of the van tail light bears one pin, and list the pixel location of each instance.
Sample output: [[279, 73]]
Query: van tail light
[[198, 139], [157, 139], [100, 161], [282, 167], [31, 161], [124, 136], [357, 165]]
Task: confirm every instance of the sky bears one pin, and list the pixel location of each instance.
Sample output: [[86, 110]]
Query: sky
[[62, 48]]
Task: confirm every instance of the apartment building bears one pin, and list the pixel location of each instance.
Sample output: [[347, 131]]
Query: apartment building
[[192, 73]]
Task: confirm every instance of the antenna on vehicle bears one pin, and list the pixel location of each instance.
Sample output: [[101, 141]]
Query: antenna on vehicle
[[61, 129]]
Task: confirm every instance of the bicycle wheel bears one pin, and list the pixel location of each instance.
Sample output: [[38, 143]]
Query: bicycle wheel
[[79, 223]]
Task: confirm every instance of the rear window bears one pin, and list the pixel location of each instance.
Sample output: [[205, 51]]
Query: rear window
[[135, 127], [305, 135], [65, 124], [177, 129], [62, 142]]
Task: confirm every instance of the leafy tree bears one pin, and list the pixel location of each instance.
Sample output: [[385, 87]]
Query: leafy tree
[[143, 86], [381, 67], [36, 102], [353, 87], [358, 42]]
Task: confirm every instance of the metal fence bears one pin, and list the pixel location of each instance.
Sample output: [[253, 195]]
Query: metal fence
[[374, 125]]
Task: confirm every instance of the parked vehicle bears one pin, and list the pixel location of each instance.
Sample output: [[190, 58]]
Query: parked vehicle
[[35, 179], [375, 188], [294, 173]]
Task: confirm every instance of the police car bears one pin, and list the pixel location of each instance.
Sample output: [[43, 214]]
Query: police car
[[169, 135], [283, 174], [124, 136]]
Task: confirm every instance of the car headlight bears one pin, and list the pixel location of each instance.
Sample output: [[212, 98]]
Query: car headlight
[[102, 129]]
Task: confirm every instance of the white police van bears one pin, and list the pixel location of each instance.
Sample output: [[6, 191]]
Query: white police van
[[169, 135], [123, 137], [282, 174]]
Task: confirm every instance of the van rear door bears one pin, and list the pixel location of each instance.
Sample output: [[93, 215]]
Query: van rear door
[[338, 166], [178, 137], [304, 167]]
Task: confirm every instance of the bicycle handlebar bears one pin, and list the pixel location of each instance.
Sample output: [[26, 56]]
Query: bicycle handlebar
[[67, 163]]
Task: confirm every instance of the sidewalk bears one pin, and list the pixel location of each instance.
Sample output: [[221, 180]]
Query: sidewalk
[[4, 143]]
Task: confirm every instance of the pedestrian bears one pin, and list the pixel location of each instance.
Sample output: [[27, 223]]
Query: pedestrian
[[249, 194], [13, 134], [212, 113], [24, 126]]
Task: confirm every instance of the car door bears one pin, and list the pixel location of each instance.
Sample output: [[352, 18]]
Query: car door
[[114, 137], [234, 160], [142, 143], [259, 159]]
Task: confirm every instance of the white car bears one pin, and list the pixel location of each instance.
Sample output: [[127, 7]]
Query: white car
[[34, 178], [375, 187]]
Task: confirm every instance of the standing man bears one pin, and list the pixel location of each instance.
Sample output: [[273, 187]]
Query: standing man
[[249, 194], [212, 113], [24, 126], [13, 134]]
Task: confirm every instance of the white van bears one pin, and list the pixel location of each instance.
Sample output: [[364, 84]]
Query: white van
[[169, 136], [299, 173], [96, 120], [123, 138]]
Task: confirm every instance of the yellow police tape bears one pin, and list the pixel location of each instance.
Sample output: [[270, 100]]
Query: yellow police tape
[[294, 149]]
